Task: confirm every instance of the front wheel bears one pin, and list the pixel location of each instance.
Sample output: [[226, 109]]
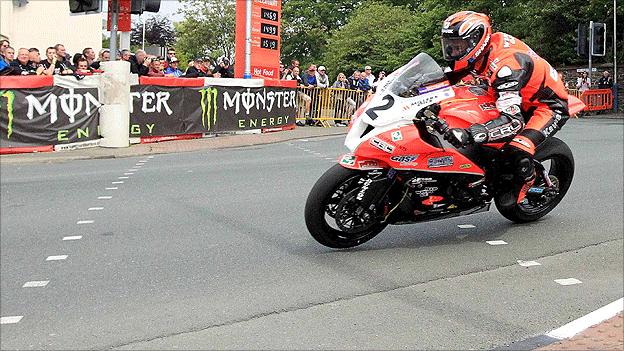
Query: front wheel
[[333, 215], [557, 161]]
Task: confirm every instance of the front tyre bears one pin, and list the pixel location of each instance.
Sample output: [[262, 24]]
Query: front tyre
[[331, 214], [556, 158]]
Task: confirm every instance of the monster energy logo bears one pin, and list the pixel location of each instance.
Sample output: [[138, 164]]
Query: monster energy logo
[[209, 107], [10, 96]]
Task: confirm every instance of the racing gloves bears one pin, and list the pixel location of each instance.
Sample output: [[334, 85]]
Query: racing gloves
[[459, 137]]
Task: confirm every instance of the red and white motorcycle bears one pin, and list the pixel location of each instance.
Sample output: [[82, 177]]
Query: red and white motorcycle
[[401, 171]]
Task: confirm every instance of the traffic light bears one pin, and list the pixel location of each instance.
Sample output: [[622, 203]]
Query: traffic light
[[81, 6], [599, 39], [140, 6], [582, 48]]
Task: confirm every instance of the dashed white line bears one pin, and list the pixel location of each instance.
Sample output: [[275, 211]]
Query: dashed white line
[[112, 188], [119, 182], [132, 170], [10, 319], [303, 139], [528, 263], [104, 197], [189, 171], [88, 221], [306, 150], [73, 237], [56, 258], [150, 156], [496, 242], [95, 208], [129, 173], [568, 281], [466, 226], [36, 284], [329, 158], [123, 177]]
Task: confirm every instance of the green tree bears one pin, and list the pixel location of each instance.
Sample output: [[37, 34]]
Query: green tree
[[158, 31], [208, 28]]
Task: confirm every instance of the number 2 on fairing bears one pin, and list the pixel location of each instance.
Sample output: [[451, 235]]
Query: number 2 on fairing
[[371, 112]]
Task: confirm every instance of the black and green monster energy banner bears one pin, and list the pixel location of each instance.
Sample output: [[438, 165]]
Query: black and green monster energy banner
[[158, 110], [48, 116]]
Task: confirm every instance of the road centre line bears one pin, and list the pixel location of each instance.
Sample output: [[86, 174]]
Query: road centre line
[[74, 237], [466, 226], [592, 318], [56, 258], [95, 208], [36, 284], [568, 281], [104, 197], [88, 221], [528, 263], [496, 242], [10, 319]]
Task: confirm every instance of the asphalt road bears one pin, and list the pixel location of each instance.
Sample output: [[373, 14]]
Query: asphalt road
[[209, 250]]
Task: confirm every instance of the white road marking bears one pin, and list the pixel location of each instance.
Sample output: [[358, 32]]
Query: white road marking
[[35, 284], [123, 177], [189, 171], [129, 173], [104, 197], [56, 258], [329, 158], [592, 318], [119, 182], [150, 156], [132, 170], [10, 319], [568, 281], [74, 237], [466, 226], [306, 150], [303, 139], [528, 263], [88, 221], [95, 208], [496, 242], [112, 188], [139, 164]]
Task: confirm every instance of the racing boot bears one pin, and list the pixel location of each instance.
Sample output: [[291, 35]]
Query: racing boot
[[523, 179]]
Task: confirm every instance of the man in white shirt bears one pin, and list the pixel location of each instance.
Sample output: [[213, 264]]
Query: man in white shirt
[[369, 75]]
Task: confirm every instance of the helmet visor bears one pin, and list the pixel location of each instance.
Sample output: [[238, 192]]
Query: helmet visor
[[456, 48]]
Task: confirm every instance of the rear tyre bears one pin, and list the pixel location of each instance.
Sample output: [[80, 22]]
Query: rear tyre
[[328, 210], [558, 161]]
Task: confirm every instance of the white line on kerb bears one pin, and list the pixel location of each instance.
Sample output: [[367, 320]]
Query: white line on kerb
[[36, 284], [112, 188], [85, 222], [56, 258], [496, 242], [104, 197], [10, 319], [74, 237], [95, 208], [593, 318]]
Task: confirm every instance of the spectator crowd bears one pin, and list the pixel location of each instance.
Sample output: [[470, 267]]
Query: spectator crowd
[[58, 61]]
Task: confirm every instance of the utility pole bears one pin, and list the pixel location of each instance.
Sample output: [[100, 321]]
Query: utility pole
[[615, 86], [591, 50], [114, 19]]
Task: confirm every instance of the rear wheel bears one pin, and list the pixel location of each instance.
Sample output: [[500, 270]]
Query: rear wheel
[[334, 216], [556, 159]]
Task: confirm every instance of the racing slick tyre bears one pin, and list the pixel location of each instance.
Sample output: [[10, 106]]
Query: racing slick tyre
[[333, 217], [558, 162]]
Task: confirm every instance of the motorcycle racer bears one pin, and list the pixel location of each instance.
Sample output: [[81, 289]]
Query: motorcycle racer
[[529, 93]]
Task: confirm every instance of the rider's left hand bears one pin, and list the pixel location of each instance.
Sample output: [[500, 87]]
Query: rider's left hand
[[458, 137]]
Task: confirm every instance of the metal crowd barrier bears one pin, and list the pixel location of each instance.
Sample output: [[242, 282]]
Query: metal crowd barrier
[[322, 105], [595, 99]]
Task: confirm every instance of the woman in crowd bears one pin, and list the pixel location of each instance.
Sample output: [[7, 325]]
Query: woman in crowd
[[341, 106]]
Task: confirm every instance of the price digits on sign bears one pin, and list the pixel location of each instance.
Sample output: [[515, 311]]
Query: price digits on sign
[[268, 15], [268, 29], [266, 43]]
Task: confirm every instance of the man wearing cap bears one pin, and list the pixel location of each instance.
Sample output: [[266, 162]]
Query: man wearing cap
[[322, 80], [173, 70], [194, 70]]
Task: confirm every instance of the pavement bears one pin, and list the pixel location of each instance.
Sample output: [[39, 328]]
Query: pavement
[[208, 250]]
